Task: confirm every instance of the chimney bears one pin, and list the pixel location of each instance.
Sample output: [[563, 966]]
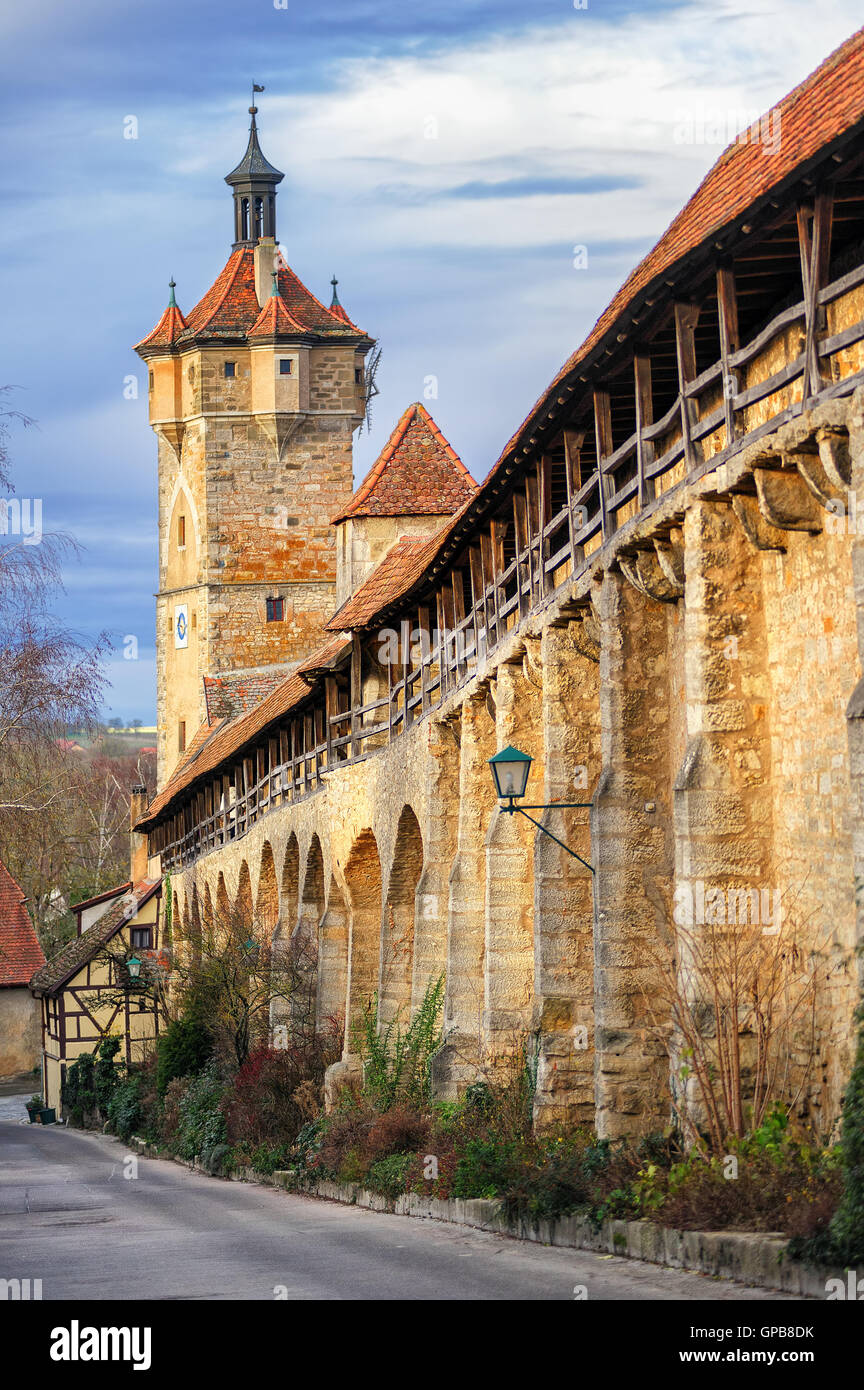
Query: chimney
[[265, 263], [138, 856]]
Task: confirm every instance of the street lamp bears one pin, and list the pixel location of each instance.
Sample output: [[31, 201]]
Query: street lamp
[[510, 769], [133, 965]]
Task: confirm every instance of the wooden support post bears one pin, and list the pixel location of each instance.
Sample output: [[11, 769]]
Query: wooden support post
[[293, 759], [727, 312], [443, 655], [686, 318], [490, 600], [603, 433], [523, 558], [532, 494], [573, 441], [497, 530], [457, 583], [423, 625], [814, 244], [544, 484], [644, 417], [478, 604], [404, 666], [356, 693], [331, 708]]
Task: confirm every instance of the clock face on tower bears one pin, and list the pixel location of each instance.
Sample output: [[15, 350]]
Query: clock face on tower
[[181, 625]]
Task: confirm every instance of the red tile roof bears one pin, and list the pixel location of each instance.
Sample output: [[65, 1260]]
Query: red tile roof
[[230, 309], [273, 320], [417, 473], [167, 330], [401, 567], [228, 696], [828, 104], [20, 952], [70, 958]]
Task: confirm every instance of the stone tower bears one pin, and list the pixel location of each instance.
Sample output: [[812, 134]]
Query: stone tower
[[254, 398]]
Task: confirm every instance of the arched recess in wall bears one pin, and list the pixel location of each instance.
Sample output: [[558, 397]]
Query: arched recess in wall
[[207, 917], [245, 913], [304, 940], [180, 542], [192, 945], [332, 962], [363, 881], [222, 916], [267, 901], [398, 941], [290, 890]]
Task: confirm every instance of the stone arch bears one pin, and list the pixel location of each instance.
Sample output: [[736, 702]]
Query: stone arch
[[397, 941], [332, 961], [363, 881], [267, 901]]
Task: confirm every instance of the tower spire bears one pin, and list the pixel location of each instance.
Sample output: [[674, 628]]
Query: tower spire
[[254, 187]]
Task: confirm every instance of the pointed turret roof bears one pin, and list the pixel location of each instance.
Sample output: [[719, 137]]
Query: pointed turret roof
[[169, 327], [417, 473], [253, 165], [335, 307], [274, 320]]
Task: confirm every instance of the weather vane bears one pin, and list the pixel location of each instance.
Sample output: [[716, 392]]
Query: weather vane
[[255, 88]]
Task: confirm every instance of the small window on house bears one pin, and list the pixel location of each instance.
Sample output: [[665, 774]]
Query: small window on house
[[181, 736], [286, 366], [275, 610], [194, 621], [151, 381], [141, 938], [181, 532], [358, 376], [230, 368]]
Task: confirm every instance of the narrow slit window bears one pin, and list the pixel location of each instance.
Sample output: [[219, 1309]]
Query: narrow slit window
[[181, 736], [181, 532]]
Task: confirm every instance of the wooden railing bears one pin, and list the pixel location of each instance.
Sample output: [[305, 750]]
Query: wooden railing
[[479, 605]]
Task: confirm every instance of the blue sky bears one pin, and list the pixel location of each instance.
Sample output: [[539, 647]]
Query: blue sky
[[444, 160]]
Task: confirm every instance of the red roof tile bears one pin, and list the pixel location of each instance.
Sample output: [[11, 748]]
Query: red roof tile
[[167, 330], [228, 696], [274, 320], [401, 567], [230, 309], [77, 952], [417, 473], [20, 952]]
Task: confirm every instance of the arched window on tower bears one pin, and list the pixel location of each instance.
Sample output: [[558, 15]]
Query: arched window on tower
[[244, 228], [259, 212]]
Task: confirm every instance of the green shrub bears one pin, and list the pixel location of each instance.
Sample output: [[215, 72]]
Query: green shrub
[[397, 1064], [201, 1121], [389, 1175], [124, 1112], [182, 1050]]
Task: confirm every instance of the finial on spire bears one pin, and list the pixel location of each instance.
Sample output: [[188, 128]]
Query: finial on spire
[[172, 285], [274, 293], [334, 302]]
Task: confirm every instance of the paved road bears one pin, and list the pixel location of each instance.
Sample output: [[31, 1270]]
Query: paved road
[[70, 1218]]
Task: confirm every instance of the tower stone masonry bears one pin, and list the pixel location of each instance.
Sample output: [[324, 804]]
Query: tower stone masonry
[[254, 398]]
